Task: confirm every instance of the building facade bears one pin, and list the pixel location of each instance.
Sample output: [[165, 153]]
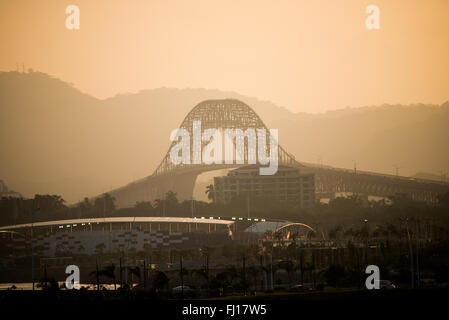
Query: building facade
[[113, 235], [287, 185]]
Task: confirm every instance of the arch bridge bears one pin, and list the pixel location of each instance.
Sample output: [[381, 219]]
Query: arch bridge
[[234, 114]]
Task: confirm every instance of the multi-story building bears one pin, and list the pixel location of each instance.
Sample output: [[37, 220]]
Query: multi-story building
[[287, 185]]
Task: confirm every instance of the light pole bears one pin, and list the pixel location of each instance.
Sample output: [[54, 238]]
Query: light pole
[[365, 221], [412, 271], [32, 243], [271, 268], [182, 278], [248, 207], [244, 277]]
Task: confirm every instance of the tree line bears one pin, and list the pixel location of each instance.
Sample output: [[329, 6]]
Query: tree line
[[339, 216]]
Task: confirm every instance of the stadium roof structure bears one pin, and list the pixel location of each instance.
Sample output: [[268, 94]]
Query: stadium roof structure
[[204, 220], [273, 226]]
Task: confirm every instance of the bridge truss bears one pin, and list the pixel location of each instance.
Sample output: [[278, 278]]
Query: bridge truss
[[219, 114], [234, 114]]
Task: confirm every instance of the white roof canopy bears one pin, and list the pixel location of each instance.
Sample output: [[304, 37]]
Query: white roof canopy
[[205, 220]]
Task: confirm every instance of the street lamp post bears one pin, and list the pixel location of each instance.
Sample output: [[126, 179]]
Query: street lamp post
[[32, 243], [412, 272], [271, 268], [366, 241], [182, 278]]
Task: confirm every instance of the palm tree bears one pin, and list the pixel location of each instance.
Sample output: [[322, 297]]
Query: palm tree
[[300, 265], [203, 274], [288, 266], [96, 273], [221, 281], [134, 272], [85, 207], [210, 192], [278, 236], [255, 271], [349, 233], [334, 274], [268, 234], [335, 232], [109, 272], [311, 234], [99, 248], [265, 269], [160, 280]]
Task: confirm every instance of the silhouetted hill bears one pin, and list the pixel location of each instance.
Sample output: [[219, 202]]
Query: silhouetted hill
[[56, 139]]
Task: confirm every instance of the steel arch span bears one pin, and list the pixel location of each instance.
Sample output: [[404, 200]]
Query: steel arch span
[[219, 114], [234, 114]]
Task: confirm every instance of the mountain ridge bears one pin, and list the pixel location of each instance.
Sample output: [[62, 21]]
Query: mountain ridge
[[57, 139]]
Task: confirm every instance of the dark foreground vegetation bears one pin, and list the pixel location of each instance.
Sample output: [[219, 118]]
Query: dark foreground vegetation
[[343, 211], [407, 240], [422, 296], [241, 269]]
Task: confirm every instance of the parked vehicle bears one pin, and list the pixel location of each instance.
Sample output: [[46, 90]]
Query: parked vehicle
[[386, 284], [297, 288]]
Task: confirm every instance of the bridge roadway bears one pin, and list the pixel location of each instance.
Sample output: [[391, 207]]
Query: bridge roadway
[[234, 114], [328, 182]]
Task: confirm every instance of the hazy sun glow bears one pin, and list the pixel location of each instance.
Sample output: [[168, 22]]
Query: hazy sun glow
[[305, 55]]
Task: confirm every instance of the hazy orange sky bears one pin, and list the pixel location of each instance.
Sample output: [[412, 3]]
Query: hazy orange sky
[[304, 55]]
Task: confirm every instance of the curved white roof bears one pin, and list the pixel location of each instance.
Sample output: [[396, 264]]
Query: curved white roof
[[120, 220], [273, 226], [262, 227]]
